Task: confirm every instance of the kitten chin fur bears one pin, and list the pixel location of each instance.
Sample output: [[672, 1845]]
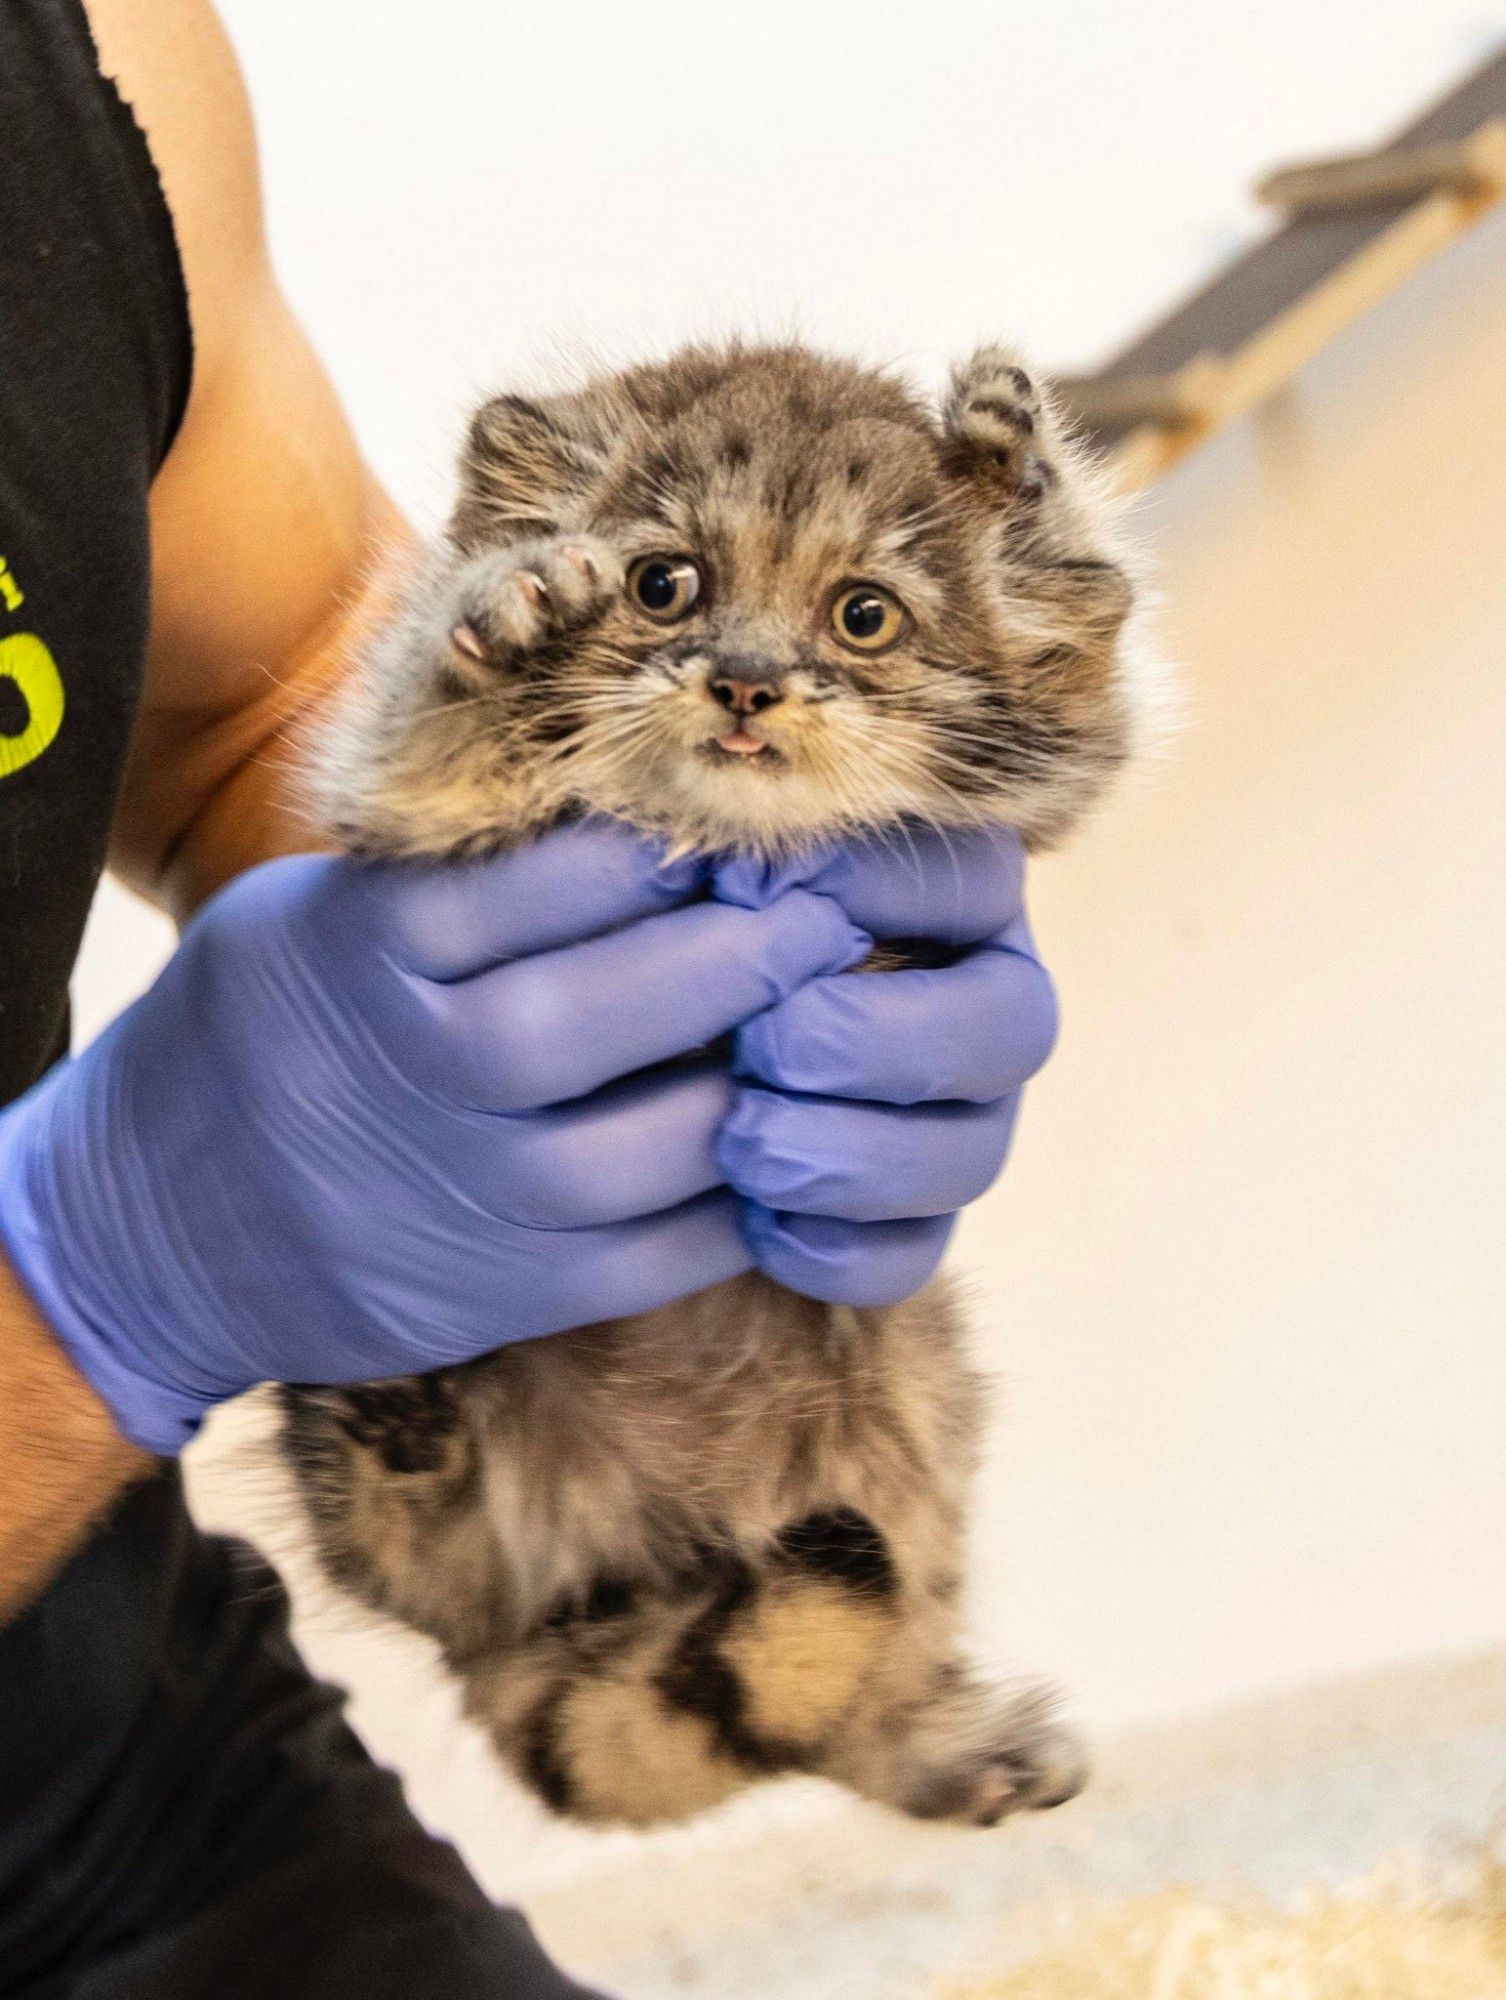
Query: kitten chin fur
[[670, 1555]]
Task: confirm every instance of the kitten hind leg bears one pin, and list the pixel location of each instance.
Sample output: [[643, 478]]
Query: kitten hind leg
[[641, 1707], [589, 1712], [903, 1723]]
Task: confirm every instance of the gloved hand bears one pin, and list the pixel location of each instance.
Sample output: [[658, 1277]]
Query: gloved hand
[[369, 1121], [873, 1106]]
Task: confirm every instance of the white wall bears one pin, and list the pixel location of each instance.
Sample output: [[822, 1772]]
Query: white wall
[[1249, 1275], [1245, 1273]]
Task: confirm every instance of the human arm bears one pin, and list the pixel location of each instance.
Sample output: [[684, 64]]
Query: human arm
[[264, 524], [266, 528], [62, 1458], [269, 540]]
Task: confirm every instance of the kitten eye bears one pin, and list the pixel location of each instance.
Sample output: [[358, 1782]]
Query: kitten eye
[[867, 618], [664, 588]]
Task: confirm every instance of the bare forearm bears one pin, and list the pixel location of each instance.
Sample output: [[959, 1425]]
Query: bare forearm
[[208, 796], [62, 1461]]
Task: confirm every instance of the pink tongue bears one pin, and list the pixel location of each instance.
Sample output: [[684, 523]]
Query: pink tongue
[[740, 743]]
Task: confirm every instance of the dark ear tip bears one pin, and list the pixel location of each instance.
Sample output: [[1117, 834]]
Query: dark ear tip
[[500, 414]]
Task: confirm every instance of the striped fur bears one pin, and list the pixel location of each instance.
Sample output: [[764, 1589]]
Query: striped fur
[[672, 1555]]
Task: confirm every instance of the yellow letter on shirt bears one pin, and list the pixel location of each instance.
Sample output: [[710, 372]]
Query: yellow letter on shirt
[[27, 662]]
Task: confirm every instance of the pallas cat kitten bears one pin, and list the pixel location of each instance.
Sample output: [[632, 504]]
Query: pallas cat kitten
[[748, 599]]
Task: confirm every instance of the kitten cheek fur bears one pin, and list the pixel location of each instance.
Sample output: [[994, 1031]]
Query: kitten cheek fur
[[672, 1555]]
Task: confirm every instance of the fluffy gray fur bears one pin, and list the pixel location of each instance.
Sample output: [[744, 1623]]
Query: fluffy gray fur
[[670, 1555]]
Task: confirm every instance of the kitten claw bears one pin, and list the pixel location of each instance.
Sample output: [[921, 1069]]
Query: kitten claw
[[466, 639]]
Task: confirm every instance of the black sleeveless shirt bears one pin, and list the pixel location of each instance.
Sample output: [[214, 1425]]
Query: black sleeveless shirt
[[183, 1810], [94, 372], [94, 369]]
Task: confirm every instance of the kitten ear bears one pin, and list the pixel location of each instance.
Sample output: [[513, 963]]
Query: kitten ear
[[522, 464], [999, 426]]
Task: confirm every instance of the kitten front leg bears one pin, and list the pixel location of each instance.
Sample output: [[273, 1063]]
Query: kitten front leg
[[506, 603], [996, 412], [1011, 441], [1063, 589], [405, 765]]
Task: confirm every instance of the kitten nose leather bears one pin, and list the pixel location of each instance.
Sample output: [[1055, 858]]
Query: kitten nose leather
[[745, 694]]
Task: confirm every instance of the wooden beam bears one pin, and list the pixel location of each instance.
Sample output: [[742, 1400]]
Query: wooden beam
[[1189, 399], [1357, 229], [1471, 167]]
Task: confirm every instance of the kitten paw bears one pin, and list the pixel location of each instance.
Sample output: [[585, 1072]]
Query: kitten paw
[[997, 413], [1028, 1778], [1029, 1773], [514, 600]]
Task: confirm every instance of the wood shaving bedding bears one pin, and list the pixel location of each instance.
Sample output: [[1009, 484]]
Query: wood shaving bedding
[[1378, 1940]]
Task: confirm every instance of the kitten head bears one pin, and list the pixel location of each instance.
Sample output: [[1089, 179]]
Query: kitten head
[[825, 608]]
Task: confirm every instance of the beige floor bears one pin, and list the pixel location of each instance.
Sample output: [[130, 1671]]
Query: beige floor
[[1321, 1786]]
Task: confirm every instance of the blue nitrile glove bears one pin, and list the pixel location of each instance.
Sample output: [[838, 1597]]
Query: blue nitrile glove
[[873, 1106], [333, 1143]]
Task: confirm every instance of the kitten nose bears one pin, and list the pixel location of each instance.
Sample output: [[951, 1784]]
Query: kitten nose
[[744, 695]]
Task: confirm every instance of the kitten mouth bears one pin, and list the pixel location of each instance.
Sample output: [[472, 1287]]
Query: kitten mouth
[[741, 743]]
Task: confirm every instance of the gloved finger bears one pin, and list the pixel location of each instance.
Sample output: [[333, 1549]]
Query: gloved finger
[[862, 1162], [562, 1023], [956, 887], [443, 921], [645, 1263], [445, 1292], [846, 1263], [972, 1031], [632, 1149]]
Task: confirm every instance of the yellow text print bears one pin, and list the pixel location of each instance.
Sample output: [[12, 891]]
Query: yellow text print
[[27, 662]]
